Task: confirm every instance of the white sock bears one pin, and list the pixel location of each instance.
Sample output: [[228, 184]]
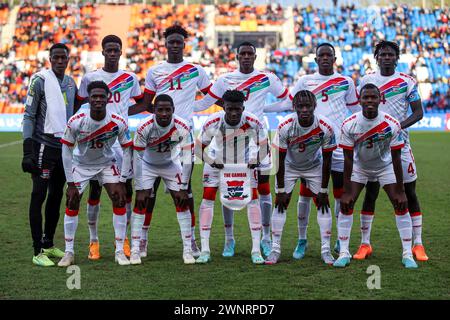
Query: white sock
[[265, 203], [278, 221], [303, 209], [325, 222], [345, 223], [228, 217], [192, 232], [366, 226], [254, 221], [184, 220], [70, 228], [206, 216], [417, 228], [120, 229], [337, 209], [93, 212], [137, 221], [404, 226]]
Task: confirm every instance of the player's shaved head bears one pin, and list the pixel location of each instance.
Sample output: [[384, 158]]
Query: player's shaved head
[[369, 86], [246, 44], [164, 97], [325, 44]]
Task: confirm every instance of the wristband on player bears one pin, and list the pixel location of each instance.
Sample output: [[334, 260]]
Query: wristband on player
[[323, 190], [280, 190]]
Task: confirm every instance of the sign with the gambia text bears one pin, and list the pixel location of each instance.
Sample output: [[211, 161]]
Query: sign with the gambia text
[[235, 191]]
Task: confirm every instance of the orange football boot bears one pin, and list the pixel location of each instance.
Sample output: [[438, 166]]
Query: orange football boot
[[419, 252], [126, 247], [94, 251], [364, 251]]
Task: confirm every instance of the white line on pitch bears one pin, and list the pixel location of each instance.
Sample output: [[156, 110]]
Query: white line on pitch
[[10, 144]]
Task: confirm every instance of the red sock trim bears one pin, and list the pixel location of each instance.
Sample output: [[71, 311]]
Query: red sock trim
[[71, 213], [416, 214], [305, 192], [337, 192], [254, 194], [192, 219], [209, 193], [119, 211], [264, 188], [349, 213], [136, 210], [148, 218], [401, 213], [93, 202], [181, 209], [129, 199], [367, 213]]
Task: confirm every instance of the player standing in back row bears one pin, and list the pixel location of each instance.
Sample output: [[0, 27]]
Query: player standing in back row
[[398, 92], [123, 86], [180, 80], [255, 85]]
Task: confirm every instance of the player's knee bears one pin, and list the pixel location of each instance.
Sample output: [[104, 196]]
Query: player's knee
[[305, 191], [264, 188], [209, 193]]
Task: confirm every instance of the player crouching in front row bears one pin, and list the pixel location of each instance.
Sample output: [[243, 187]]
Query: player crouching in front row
[[163, 148], [372, 140], [302, 140], [92, 136]]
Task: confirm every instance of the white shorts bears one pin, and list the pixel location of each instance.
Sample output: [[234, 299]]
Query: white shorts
[[211, 177], [312, 177], [104, 175], [337, 161], [408, 165], [170, 174], [383, 176], [118, 152]]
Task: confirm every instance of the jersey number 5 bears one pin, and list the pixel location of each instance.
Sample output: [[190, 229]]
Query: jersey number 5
[[324, 96]]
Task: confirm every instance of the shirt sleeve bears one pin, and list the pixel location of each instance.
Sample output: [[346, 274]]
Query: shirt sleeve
[[277, 88], [217, 89], [397, 141], [206, 134], [329, 141], [298, 86], [351, 97], [69, 133], [346, 141], [413, 92], [34, 96], [150, 85], [279, 140], [82, 92], [140, 141], [125, 136], [136, 92], [203, 84]]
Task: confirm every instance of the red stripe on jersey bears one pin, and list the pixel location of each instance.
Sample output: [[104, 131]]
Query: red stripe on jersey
[[211, 122], [128, 144], [213, 95], [390, 84], [177, 72], [343, 146], [250, 81], [149, 91], [115, 116], [138, 148], [372, 131], [253, 120], [142, 127], [164, 137], [70, 144], [139, 97], [206, 90], [181, 124], [75, 117], [306, 136], [108, 127], [80, 98], [118, 80], [286, 91], [329, 149], [353, 103], [281, 125], [279, 148], [400, 146], [322, 122], [386, 116], [328, 83], [291, 97], [349, 119]]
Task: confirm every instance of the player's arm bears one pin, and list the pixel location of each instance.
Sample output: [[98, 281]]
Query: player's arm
[[284, 102], [322, 197], [72, 194], [139, 145], [346, 199], [400, 201], [207, 101], [127, 147], [187, 146], [415, 116], [140, 106], [34, 96], [282, 198], [79, 101], [279, 106]]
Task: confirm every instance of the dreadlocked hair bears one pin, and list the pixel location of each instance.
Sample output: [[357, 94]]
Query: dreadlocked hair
[[175, 29], [304, 94], [384, 44]]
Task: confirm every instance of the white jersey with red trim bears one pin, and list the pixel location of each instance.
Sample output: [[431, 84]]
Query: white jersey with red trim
[[123, 86], [255, 86], [335, 94], [304, 144], [397, 92], [180, 81], [94, 140], [162, 145], [233, 144], [371, 139]]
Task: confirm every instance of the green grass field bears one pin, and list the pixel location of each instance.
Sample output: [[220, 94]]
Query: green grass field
[[164, 276]]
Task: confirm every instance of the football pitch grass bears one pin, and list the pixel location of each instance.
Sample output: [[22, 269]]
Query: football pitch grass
[[164, 276]]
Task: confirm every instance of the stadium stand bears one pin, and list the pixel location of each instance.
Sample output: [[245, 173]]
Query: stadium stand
[[234, 13]]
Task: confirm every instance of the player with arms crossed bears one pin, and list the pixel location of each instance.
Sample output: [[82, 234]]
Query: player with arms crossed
[[123, 86], [398, 92], [156, 146], [180, 80], [372, 143], [88, 154], [239, 138], [303, 140], [255, 85]]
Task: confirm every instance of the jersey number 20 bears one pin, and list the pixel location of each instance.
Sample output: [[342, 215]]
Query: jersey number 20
[[114, 97]]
